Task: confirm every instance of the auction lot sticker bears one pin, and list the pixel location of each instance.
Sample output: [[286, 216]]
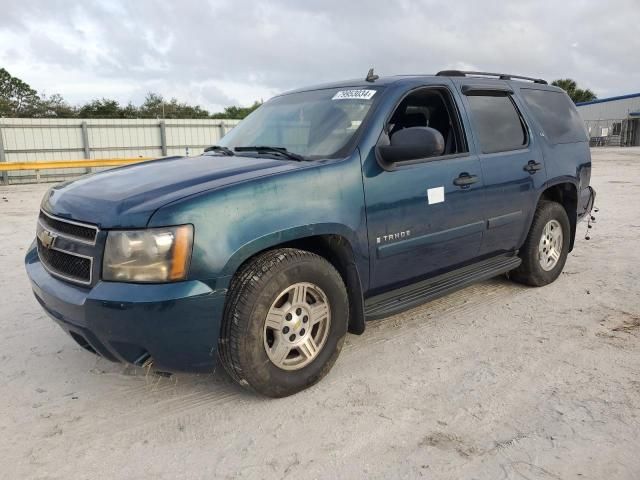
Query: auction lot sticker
[[354, 94]]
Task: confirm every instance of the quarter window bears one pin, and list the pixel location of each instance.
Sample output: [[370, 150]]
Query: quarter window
[[497, 123], [556, 114]]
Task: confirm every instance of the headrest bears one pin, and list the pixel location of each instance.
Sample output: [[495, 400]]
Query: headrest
[[412, 120]]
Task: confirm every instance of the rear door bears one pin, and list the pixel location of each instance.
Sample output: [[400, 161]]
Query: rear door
[[512, 164]]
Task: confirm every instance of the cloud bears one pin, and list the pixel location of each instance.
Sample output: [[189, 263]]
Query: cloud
[[224, 52]]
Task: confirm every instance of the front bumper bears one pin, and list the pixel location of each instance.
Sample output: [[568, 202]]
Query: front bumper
[[175, 325]]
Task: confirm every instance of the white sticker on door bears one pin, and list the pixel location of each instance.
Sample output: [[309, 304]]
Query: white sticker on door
[[356, 94], [435, 195]]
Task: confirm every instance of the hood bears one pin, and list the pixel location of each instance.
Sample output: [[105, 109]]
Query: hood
[[126, 197]]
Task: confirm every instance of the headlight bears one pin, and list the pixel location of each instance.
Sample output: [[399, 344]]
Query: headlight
[[151, 255]]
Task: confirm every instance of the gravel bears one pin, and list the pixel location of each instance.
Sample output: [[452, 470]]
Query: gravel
[[495, 381]]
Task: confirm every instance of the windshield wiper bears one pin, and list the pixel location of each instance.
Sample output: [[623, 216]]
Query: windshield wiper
[[218, 149], [276, 150]]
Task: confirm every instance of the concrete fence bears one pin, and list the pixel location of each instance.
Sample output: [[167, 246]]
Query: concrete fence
[[50, 140]]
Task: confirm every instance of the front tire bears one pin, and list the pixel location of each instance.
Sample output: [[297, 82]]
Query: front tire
[[545, 250], [284, 323]]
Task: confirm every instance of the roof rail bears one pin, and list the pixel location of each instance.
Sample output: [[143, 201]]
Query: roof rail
[[501, 76]]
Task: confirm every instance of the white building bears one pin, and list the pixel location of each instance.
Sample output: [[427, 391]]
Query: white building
[[613, 121]]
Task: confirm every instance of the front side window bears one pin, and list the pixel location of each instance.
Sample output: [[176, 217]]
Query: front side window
[[315, 124], [497, 123], [434, 108]]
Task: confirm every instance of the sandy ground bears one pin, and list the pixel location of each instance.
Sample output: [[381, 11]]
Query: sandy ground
[[496, 381]]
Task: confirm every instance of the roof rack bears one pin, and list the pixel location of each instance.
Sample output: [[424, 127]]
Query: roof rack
[[501, 76]]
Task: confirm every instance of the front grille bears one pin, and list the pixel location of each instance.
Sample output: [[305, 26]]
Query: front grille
[[84, 233], [65, 265]]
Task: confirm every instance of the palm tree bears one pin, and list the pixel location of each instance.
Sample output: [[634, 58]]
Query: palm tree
[[571, 87]]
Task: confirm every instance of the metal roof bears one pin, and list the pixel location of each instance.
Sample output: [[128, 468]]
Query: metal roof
[[610, 99]]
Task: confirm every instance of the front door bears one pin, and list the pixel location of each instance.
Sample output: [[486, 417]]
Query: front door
[[424, 217]]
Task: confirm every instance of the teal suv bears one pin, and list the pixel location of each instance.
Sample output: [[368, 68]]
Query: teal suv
[[326, 207]]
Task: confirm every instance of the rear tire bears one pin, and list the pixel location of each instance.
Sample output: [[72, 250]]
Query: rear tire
[[284, 323], [545, 250]]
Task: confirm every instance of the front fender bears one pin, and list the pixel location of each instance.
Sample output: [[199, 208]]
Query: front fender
[[237, 221], [274, 239]]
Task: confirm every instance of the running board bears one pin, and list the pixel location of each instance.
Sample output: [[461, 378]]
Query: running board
[[404, 298]]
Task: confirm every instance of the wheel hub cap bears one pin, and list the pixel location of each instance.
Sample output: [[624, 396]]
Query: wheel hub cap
[[297, 326], [550, 246]]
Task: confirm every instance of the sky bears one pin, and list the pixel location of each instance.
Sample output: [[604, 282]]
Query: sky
[[218, 53]]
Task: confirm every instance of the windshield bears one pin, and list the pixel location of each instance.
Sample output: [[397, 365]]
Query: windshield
[[314, 124]]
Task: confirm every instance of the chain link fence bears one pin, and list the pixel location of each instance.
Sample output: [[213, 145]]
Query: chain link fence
[[613, 132]]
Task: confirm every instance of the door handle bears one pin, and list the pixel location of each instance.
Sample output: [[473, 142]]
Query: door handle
[[465, 180], [532, 166]]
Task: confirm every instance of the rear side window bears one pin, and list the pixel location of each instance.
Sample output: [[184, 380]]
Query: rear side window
[[497, 123], [556, 114]]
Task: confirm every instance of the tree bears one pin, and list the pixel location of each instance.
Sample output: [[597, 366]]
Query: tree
[[5, 107], [155, 106], [571, 87], [104, 108], [152, 107], [130, 111], [55, 107], [17, 98], [237, 113]]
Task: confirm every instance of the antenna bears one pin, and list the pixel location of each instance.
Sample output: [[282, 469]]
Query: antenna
[[371, 77]]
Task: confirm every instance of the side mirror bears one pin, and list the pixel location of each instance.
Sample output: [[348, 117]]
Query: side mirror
[[412, 143]]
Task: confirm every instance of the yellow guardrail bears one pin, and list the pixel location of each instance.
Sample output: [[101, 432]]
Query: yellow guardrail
[[104, 162]]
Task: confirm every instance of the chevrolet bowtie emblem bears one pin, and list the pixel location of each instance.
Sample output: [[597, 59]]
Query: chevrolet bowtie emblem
[[47, 239]]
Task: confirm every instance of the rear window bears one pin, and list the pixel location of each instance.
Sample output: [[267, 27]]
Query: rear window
[[556, 114], [497, 123]]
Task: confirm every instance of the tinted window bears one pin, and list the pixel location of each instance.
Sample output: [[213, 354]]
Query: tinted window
[[430, 107], [497, 123], [556, 114]]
